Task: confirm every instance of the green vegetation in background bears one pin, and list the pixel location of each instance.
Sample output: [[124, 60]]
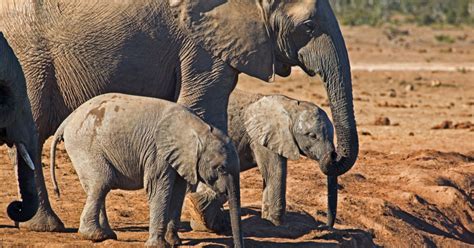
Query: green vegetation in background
[[445, 39], [422, 12]]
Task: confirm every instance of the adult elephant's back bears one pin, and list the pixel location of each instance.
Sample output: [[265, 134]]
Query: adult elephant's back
[[72, 51]]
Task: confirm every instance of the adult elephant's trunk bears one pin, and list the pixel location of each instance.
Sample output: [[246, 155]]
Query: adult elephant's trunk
[[332, 200], [327, 55], [331, 188], [26, 209], [233, 190]]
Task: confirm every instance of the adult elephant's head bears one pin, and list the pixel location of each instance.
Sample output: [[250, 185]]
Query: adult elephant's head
[[18, 129], [264, 37]]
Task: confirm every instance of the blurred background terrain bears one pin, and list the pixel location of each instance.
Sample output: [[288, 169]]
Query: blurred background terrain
[[421, 12]]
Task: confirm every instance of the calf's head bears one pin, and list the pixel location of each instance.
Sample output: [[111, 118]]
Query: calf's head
[[291, 128], [201, 153]]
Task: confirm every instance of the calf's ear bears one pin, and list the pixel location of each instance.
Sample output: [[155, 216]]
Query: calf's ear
[[180, 147], [269, 124]]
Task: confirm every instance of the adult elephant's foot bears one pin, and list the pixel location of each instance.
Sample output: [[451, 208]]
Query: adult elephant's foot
[[96, 234], [44, 221], [207, 214]]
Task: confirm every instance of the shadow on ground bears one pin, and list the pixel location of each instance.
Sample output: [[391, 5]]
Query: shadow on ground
[[295, 225], [298, 225]]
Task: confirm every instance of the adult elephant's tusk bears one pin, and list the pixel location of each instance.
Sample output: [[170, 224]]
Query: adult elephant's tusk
[[24, 154]]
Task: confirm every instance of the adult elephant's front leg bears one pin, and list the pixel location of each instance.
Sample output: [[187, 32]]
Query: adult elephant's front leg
[[45, 219], [273, 169], [206, 83]]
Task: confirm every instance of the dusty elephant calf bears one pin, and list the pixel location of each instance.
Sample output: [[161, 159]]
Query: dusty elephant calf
[[118, 141], [268, 130]]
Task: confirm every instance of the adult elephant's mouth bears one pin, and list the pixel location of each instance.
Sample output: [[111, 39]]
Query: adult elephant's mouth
[[301, 63], [308, 71], [3, 138], [282, 69]]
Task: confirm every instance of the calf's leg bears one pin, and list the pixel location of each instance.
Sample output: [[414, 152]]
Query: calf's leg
[[176, 205], [274, 170], [159, 189]]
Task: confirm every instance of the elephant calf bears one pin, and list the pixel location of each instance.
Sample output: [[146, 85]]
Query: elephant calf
[[118, 141], [268, 130]]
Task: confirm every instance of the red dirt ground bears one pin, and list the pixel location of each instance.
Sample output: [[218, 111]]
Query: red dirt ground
[[412, 185]]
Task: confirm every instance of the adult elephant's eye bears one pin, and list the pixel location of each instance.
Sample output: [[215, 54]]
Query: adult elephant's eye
[[310, 25]]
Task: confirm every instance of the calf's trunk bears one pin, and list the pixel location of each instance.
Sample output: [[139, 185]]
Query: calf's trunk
[[233, 189]]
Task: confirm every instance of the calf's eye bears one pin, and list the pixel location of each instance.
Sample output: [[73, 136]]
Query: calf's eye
[[311, 135], [221, 170]]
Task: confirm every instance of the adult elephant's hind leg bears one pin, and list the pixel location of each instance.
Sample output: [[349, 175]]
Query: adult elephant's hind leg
[[45, 219]]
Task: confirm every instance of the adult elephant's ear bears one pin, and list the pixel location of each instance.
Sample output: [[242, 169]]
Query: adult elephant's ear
[[233, 30], [179, 146], [269, 124]]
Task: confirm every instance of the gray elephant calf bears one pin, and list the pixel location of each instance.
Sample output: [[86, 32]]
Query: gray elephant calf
[[118, 141], [268, 130]]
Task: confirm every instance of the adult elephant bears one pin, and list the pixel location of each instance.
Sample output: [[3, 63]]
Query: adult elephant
[[190, 51], [17, 128]]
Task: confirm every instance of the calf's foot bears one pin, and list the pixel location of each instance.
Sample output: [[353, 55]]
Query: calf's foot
[[104, 225], [275, 219], [172, 238], [156, 243], [96, 234]]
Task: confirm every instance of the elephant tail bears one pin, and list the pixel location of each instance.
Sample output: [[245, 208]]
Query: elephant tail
[[58, 137]]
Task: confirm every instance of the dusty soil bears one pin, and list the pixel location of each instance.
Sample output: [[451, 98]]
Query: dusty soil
[[413, 184]]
